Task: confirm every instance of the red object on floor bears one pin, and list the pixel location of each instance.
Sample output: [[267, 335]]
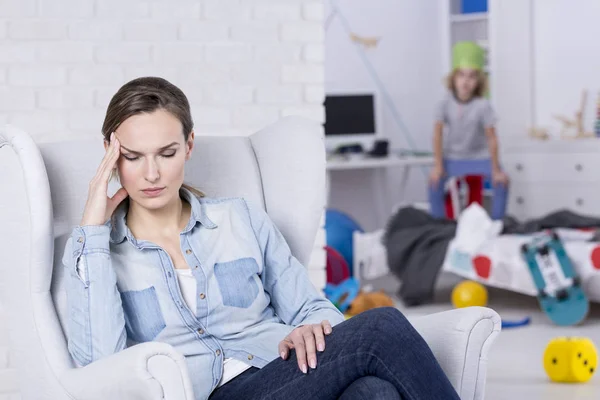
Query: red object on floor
[[337, 267], [475, 184]]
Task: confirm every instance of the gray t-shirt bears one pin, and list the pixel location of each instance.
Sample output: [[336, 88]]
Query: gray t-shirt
[[464, 127]]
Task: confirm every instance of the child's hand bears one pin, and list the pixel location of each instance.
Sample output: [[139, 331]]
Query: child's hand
[[436, 175], [499, 178]]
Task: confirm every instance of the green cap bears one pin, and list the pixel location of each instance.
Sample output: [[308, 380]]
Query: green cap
[[467, 55]]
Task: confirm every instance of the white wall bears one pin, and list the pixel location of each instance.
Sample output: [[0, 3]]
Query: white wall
[[408, 60], [242, 63], [544, 55], [567, 59]]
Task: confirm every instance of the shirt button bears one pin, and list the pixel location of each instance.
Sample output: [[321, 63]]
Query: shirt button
[[218, 352], [80, 239], [202, 296], [188, 251], [250, 357], [201, 331]]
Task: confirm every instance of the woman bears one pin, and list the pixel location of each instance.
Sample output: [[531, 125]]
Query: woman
[[215, 279]]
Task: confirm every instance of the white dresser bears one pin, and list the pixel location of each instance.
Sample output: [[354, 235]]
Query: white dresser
[[553, 175]]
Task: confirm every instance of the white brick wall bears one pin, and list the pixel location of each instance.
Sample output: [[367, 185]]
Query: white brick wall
[[242, 63]]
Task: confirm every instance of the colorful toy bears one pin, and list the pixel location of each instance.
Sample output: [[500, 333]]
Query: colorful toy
[[339, 228], [337, 268], [343, 294], [469, 294], [570, 359], [515, 324], [367, 301], [559, 288]]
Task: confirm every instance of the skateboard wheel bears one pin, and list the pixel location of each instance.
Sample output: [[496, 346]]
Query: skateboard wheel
[[555, 236], [544, 250], [562, 295], [524, 248]]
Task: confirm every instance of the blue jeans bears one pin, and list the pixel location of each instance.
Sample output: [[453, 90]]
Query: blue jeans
[[375, 355], [461, 168]]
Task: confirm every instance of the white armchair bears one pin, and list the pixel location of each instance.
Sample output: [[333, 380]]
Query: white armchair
[[43, 189]]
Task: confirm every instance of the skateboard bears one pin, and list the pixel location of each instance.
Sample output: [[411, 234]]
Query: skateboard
[[560, 294]]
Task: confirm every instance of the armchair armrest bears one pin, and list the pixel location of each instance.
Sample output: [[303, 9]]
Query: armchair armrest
[[460, 340], [146, 371]]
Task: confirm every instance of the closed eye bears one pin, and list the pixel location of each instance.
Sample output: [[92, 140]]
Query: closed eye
[[134, 158]]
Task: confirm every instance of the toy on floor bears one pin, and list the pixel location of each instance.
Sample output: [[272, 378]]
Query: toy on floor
[[342, 294], [516, 324], [560, 294], [337, 268], [341, 289], [570, 359], [344, 291], [469, 294], [339, 228], [367, 301]]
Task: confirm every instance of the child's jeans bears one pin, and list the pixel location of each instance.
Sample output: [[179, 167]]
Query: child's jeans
[[462, 168]]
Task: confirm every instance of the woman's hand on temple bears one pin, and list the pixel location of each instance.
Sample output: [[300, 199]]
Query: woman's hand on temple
[[306, 340], [99, 207]]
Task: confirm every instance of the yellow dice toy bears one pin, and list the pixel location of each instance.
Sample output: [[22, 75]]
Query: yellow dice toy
[[570, 359]]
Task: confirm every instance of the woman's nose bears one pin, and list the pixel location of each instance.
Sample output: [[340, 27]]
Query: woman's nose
[[151, 174]]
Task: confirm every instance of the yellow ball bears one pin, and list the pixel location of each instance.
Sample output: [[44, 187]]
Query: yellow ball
[[469, 294], [570, 359]]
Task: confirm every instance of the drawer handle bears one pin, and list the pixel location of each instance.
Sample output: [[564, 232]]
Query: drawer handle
[[520, 200], [578, 167], [519, 167], [579, 202]]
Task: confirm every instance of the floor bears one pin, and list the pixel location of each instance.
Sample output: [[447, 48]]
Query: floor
[[515, 368]]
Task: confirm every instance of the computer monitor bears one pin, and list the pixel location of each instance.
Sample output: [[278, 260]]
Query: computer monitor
[[351, 117]]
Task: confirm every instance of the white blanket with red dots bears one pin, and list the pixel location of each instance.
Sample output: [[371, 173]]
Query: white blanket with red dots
[[479, 252]]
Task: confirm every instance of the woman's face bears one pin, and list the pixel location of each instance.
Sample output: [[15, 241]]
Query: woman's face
[[153, 155]]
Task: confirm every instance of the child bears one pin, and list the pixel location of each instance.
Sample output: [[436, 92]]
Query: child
[[469, 145]]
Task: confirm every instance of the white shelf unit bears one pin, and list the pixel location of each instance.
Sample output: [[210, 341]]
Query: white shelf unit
[[471, 17], [459, 27]]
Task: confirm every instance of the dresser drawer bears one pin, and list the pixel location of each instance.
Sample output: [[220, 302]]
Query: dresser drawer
[[527, 201], [537, 167]]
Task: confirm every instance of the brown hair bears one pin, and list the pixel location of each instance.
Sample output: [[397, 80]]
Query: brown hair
[[480, 89], [146, 95]]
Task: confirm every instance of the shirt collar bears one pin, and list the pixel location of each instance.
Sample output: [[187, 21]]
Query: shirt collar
[[120, 231]]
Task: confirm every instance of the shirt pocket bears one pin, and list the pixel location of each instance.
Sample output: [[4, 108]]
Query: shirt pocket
[[237, 281], [143, 317]]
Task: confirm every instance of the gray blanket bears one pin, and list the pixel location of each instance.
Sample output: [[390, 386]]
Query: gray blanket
[[416, 245]]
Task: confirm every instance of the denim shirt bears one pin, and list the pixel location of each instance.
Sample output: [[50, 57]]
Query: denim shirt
[[251, 291]]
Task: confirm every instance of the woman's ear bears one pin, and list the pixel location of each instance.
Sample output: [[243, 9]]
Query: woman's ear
[[189, 146]]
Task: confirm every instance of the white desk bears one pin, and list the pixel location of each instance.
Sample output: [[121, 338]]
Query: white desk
[[380, 165]]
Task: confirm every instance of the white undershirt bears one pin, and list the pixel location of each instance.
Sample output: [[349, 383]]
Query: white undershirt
[[187, 284]]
